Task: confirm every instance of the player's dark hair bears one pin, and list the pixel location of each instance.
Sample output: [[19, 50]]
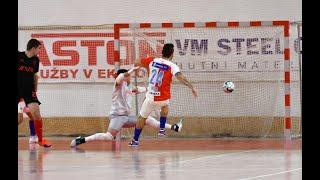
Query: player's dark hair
[[33, 43], [121, 71], [167, 50]]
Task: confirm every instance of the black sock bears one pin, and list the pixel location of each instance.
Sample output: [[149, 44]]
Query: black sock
[[175, 127], [82, 140]]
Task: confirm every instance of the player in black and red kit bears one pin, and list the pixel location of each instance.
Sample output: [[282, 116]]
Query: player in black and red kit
[[28, 67]]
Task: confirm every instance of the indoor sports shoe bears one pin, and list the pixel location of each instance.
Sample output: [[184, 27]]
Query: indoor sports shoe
[[178, 126], [44, 143], [33, 139], [162, 132], [134, 143], [77, 141]]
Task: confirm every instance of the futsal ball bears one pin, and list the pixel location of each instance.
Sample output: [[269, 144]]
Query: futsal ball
[[228, 86]]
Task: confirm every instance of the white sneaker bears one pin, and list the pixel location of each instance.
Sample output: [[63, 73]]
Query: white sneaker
[[73, 143], [33, 139]]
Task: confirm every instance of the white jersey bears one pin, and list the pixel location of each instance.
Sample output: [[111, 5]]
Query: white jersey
[[121, 99]]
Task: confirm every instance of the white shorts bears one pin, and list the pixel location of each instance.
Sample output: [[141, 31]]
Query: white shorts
[[22, 108], [149, 105], [117, 122]]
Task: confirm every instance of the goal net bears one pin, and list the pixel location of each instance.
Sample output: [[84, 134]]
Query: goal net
[[252, 56], [77, 64]]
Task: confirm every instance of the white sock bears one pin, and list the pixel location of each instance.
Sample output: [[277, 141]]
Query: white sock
[[151, 121], [167, 126], [100, 137]]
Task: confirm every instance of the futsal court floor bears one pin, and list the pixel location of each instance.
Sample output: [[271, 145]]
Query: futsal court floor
[[162, 159]]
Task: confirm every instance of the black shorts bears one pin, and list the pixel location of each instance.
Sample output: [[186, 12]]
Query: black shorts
[[29, 98]]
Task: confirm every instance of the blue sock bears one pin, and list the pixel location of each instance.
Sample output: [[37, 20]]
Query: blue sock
[[163, 121], [31, 127], [136, 134]]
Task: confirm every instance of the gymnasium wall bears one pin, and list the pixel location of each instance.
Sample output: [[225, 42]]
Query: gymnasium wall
[[93, 100]]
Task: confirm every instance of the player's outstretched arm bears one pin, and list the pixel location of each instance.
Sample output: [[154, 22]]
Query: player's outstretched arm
[[121, 76], [139, 89], [184, 81]]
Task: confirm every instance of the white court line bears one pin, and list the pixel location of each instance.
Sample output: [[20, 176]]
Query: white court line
[[266, 175], [161, 164], [153, 165], [216, 169], [216, 156], [195, 159], [199, 158]]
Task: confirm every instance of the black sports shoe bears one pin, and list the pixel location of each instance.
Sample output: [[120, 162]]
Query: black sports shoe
[[178, 126], [79, 140]]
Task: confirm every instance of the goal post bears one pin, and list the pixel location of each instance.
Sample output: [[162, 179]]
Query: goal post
[[210, 53]]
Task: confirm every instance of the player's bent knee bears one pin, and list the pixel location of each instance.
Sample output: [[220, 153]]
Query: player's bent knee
[[109, 136], [143, 115], [164, 114], [112, 132], [141, 122], [164, 111]]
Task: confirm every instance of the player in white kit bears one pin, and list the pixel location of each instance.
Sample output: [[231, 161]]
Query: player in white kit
[[121, 109]]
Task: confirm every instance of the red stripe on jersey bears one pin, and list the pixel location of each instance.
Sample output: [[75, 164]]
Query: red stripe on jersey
[[165, 88]]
